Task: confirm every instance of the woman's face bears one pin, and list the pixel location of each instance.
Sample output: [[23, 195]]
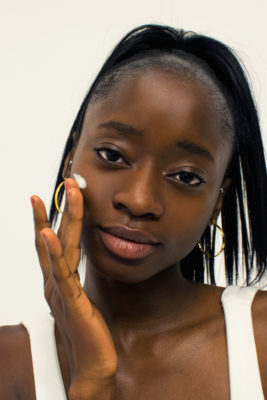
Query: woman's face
[[154, 157]]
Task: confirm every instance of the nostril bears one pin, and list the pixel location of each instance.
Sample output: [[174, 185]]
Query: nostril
[[134, 212], [139, 201], [119, 205]]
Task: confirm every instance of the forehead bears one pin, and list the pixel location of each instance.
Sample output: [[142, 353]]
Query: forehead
[[160, 102]]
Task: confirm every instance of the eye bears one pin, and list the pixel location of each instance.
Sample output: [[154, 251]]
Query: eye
[[188, 178], [109, 155]]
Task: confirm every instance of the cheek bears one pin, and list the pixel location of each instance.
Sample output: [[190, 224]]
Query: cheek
[[97, 195], [186, 220]]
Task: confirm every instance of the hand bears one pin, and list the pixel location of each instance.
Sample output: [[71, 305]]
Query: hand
[[86, 337]]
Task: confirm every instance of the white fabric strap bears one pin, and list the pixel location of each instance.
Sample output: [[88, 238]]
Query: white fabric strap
[[46, 368], [244, 374]]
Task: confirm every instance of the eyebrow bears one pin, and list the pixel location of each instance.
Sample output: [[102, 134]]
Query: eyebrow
[[122, 128], [193, 148], [189, 147]]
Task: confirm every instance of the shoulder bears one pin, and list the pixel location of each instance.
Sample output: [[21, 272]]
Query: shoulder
[[16, 373], [259, 316]]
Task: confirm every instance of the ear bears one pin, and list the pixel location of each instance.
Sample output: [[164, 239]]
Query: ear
[[224, 187], [67, 166], [66, 173]]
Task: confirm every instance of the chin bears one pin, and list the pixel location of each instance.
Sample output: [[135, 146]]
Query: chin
[[121, 270]]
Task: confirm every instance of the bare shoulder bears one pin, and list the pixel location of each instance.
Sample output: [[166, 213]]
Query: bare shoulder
[[259, 316], [16, 373]]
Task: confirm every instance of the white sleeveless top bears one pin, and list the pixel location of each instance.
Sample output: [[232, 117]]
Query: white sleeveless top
[[244, 374]]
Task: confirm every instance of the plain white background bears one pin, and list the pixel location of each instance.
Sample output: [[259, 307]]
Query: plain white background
[[50, 53]]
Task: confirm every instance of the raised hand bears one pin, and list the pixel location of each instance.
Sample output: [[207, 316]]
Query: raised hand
[[86, 337]]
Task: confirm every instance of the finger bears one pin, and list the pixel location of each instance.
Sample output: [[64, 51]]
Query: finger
[[64, 216], [40, 222], [67, 184], [68, 288], [71, 234]]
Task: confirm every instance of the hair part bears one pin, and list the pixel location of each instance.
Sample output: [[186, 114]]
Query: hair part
[[244, 212]]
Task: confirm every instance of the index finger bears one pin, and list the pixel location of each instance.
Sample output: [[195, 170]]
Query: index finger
[[40, 222], [71, 231]]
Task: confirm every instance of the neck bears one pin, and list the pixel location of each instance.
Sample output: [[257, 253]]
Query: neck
[[154, 303]]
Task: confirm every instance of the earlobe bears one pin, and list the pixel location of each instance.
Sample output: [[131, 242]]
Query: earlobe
[[67, 166], [223, 189], [66, 173], [226, 184]]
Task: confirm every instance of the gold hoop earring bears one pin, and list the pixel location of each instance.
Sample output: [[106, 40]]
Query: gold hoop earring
[[223, 241], [56, 196]]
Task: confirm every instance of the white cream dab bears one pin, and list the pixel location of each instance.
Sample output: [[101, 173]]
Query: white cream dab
[[80, 180]]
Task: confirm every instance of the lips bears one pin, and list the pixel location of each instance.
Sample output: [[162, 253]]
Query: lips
[[126, 242], [135, 235]]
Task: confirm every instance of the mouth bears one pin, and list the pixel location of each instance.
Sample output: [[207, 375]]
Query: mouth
[[127, 243]]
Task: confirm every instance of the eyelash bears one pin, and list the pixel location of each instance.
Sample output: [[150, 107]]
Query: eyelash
[[186, 174], [98, 150]]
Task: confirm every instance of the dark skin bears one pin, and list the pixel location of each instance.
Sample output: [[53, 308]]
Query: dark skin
[[139, 329]]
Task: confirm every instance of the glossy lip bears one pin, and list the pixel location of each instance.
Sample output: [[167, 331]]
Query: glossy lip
[[125, 248], [127, 233]]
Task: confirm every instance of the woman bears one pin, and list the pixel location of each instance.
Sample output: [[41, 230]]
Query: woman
[[166, 140]]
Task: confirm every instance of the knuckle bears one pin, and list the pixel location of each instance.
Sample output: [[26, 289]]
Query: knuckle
[[60, 276], [54, 256]]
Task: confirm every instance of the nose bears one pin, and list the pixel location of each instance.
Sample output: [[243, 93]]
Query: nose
[[139, 195]]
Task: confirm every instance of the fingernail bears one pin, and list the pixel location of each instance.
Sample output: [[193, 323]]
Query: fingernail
[[32, 201], [44, 237]]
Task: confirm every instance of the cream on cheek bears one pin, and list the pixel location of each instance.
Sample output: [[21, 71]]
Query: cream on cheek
[[80, 180]]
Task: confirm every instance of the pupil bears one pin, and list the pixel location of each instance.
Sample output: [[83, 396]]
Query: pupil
[[111, 155], [186, 177]]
